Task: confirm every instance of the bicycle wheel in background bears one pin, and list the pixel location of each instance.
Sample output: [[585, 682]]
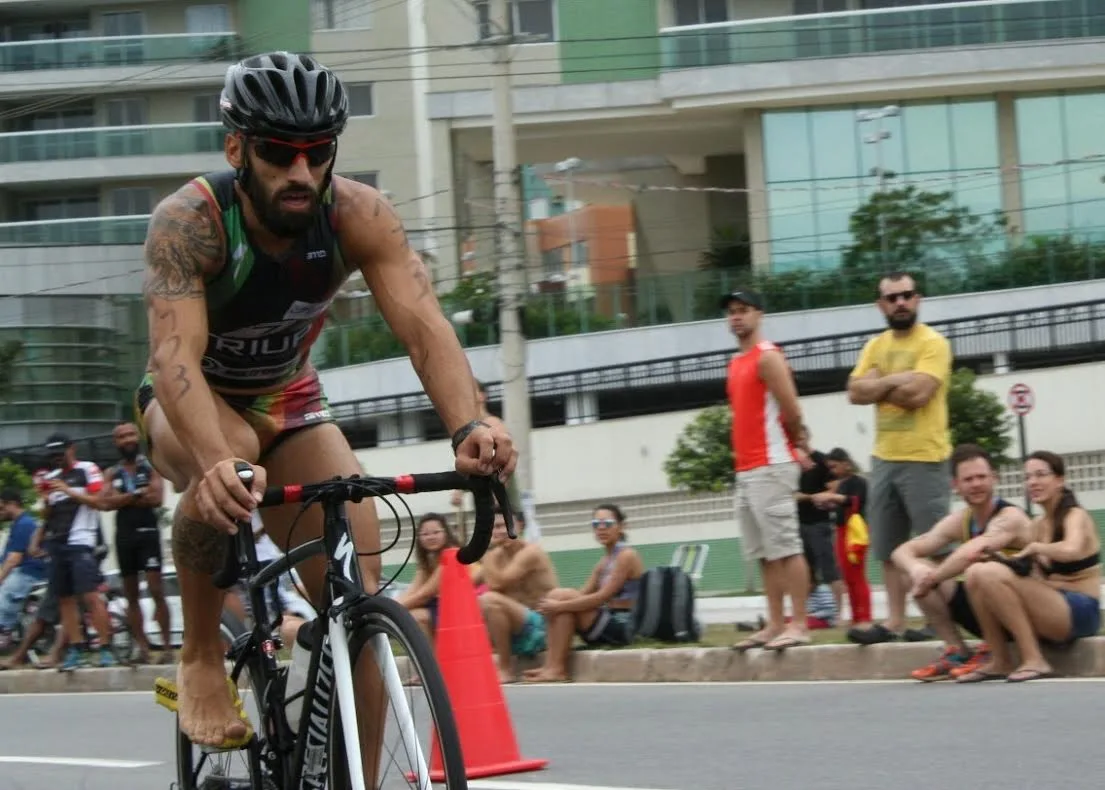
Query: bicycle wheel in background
[[423, 690]]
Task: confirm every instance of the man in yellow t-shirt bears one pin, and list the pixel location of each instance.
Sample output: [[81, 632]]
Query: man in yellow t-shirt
[[905, 373]]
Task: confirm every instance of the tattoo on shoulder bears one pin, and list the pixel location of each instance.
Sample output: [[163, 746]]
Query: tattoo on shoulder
[[182, 243]]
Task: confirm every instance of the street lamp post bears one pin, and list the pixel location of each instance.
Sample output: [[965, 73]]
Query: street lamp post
[[876, 139]]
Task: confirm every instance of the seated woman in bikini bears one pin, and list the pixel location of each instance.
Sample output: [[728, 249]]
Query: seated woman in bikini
[[1049, 590], [421, 596], [601, 613]]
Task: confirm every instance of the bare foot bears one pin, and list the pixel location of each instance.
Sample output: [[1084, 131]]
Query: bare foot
[[207, 713], [544, 676], [505, 677]]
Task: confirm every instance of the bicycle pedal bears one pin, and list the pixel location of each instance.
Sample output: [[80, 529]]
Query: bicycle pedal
[[165, 694]]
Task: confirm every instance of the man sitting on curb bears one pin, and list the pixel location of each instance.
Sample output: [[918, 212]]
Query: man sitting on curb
[[988, 524], [518, 575]]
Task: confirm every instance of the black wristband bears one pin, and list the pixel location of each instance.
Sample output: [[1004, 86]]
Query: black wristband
[[462, 433]]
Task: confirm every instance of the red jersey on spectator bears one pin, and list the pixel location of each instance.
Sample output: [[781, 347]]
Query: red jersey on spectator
[[759, 438]]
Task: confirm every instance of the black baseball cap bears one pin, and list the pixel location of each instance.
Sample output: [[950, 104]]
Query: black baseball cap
[[750, 298], [58, 441]]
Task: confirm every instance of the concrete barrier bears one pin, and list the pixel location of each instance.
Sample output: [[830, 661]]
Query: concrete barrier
[[894, 661]]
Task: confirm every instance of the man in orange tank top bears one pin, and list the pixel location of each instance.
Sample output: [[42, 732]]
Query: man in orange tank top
[[769, 451]]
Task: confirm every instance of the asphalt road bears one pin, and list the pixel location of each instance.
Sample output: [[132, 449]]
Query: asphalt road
[[819, 736]]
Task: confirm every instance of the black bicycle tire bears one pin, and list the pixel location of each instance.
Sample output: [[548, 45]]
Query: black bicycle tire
[[232, 624], [410, 635]]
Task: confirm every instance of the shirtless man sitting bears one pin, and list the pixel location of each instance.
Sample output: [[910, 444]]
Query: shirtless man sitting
[[987, 525], [518, 575]]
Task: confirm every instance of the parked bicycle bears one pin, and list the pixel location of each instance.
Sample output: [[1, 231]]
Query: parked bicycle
[[310, 739]]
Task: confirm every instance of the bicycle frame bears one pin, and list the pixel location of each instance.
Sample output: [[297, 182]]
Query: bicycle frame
[[330, 669]]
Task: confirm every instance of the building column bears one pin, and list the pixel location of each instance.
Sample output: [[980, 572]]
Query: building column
[[1001, 363], [1012, 202], [759, 229]]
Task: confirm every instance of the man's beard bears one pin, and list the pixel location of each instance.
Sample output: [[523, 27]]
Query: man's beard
[[286, 224], [128, 452], [901, 320]]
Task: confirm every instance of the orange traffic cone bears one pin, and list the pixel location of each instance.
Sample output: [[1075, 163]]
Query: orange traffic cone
[[464, 654]]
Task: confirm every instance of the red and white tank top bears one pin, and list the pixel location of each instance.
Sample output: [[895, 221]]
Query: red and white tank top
[[759, 438]]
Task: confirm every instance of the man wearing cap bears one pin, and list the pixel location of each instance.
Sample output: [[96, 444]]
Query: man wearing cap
[[70, 535], [20, 569], [769, 450]]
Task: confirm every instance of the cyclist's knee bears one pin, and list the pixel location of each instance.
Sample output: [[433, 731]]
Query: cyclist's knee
[[176, 463]]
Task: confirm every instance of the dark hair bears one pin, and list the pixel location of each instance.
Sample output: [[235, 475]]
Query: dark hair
[[426, 561], [893, 276], [11, 495], [519, 516], [1067, 500], [968, 452], [619, 516]]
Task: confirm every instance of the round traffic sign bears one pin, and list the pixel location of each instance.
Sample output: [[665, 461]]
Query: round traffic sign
[[1021, 400]]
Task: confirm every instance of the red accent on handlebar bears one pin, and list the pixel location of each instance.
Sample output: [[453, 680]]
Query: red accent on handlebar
[[404, 484], [293, 494]]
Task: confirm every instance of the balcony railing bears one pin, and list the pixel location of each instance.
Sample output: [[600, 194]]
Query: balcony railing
[[96, 143], [851, 33], [64, 232], [116, 51]]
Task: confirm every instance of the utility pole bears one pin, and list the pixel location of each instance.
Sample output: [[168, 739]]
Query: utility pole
[[511, 263]]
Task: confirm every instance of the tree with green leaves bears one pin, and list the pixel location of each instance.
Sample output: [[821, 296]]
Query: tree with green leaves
[[702, 459], [916, 227], [12, 475], [9, 353], [977, 416]]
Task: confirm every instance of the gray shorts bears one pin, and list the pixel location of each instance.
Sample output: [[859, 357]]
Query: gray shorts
[[905, 499], [767, 512]]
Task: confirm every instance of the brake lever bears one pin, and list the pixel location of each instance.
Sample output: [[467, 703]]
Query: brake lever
[[499, 492]]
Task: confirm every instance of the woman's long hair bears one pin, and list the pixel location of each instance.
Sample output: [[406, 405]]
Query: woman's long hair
[[427, 561], [1067, 501]]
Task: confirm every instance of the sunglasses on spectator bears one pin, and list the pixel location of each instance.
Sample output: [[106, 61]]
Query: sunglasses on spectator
[[283, 153], [596, 523], [904, 296]]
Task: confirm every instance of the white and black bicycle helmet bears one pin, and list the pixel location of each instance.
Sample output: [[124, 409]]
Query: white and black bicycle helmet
[[283, 95]]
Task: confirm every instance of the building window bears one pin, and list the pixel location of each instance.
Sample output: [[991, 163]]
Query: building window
[[803, 7], [1060, 198], [73, 207], [372, 178], [940, 145], [340, 14], [700, 12], [205, 108], [126, 112], [533, 17], [199, 19], [552, 261], [124, 23], [361, 99], [128, 201]]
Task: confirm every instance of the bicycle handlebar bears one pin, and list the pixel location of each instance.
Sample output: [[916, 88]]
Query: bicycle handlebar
[[487, 492]]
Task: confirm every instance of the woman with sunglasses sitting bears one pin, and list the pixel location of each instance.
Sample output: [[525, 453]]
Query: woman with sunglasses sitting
[[1048, 591], [601, 613]]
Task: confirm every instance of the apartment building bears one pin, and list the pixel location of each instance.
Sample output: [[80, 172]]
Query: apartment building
[[697, 115]]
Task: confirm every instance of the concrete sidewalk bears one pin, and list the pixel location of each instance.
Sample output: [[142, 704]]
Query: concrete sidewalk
[[737, 608], [676, 664]]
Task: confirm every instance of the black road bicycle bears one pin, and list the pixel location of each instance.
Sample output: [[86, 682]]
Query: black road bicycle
[[323, 748]]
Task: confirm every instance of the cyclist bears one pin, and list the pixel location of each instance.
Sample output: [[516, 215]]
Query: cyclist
[[241, 267]]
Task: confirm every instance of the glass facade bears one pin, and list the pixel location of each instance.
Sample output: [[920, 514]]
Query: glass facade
[[1064, 127], [818, 168]]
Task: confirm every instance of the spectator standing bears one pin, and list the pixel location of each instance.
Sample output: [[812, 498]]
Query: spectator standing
[[816, 525], [71, 523], [769, 454], [848, 497], [904, 372], [135, 491], [20, 569]]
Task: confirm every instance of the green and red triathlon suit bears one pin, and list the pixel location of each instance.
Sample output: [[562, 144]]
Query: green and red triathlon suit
[[264, 314]]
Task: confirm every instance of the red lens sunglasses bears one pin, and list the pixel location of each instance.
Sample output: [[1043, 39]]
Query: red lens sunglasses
[[283, 153]]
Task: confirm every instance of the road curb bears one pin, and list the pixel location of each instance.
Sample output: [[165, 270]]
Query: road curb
[[1086, 658]]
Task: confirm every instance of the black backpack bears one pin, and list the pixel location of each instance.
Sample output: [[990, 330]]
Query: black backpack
[[664, 610]]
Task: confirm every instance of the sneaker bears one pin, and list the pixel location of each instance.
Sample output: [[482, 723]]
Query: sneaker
[[942, 668], [981, 656], [107, 658], [72, 661]]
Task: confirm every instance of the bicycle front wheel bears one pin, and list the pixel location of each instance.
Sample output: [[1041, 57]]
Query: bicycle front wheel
[[418, 707]]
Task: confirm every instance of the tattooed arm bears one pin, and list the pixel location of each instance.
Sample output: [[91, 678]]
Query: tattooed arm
[[373, 237], [183, 244]]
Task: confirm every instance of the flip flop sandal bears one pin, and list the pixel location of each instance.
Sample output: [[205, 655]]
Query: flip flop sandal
[[1025, 675], [749, 644], [979, 676], [781, 643]]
